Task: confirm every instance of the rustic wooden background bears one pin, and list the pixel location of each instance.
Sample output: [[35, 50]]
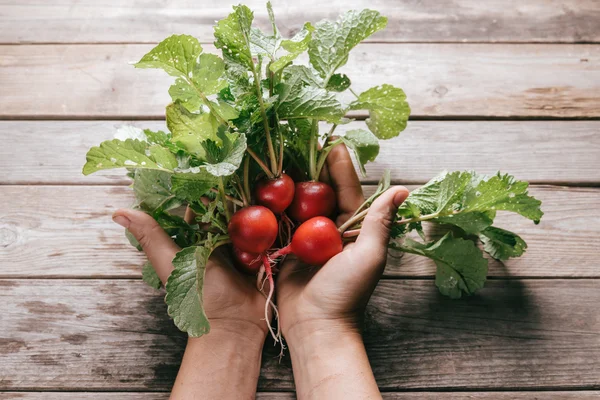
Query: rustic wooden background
[[499, 84]]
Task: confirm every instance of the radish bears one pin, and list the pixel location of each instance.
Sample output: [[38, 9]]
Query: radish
[[276, 194], [247, 262], [312, 199], [253, 229], [315, 242]]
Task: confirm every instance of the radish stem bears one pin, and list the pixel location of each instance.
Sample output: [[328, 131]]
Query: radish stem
[[353, 220], [282, 252], [263, 114], [224, 199], [312, 156], [323, 156], [247, 179], [260, 163], [229, 198]]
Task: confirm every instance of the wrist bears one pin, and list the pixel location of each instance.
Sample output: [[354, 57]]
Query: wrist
[[316, 330], [330, 361], [228, 331], [224, 363]]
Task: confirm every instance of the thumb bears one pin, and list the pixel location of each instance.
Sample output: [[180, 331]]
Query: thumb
[[155, 242], [375, 232]]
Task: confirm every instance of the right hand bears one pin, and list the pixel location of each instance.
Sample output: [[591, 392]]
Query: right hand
[[334, 296]]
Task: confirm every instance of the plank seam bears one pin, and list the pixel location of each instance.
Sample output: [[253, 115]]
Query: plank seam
[[362, 117], [390, 42]]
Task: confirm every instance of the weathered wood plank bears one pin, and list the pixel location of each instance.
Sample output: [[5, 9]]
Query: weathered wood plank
[[114, 334], [66, 231], [441, 80], [553, 152], [104, 21], [546, 395]]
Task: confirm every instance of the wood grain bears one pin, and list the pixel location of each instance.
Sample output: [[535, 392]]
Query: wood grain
[[441, 80], [575, 395], [114, 334], [104, 21], [66, 231], [553, 152]]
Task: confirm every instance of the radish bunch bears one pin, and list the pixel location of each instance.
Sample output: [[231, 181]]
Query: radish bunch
[[242, 124]]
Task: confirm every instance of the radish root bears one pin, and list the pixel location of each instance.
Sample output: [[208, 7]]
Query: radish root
[[269, 272]]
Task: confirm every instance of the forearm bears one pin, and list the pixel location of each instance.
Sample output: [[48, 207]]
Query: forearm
[[225, 364], [331, 364]]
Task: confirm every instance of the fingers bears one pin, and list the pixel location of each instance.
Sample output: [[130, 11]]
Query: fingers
[[344, 179], [155, 242], [375, 232]]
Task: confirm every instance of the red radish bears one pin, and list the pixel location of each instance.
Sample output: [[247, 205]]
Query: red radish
[[276, 194], [253, 229], [312, 199], [247, 262], [314, 242]]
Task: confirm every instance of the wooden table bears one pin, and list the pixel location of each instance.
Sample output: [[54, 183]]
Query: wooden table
[[503, 84]]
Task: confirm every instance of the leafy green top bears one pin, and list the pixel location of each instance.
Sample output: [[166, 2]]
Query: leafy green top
[[231, 113]]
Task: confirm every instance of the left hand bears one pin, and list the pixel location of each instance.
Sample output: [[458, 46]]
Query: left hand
[[231, 301]]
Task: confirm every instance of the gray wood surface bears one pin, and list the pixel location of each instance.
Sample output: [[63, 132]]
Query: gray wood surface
[[90, 21], [555, 152], [76, 322], [66, 231], [441, 80], [564, 395], [101, 334]]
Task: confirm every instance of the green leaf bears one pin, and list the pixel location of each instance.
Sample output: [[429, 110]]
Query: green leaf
[[182, 93], [129, 153], [461, 267], [132, 240], [193, 185], [294, 46], [125, 132], [158, 137], [149, 276], [230, 161], [208, 74], [184, 291], [177, 55], [388, 110], [190, 129], [272, 17], [233, 36], [364, 144], [298, 101], [338, 83], [300, 74], [332, 41], [503, 192], [238, 78], [502, 244], [472, 223], [152, 190], [261, 44], [225, 110], [183, 233], [208, 78], [459, 193]]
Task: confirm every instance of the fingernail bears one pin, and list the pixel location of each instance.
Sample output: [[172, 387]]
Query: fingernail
[[399, 198], [121, 220]]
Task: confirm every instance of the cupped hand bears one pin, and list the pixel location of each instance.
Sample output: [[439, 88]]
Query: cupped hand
[[231, 300], [333, 297]]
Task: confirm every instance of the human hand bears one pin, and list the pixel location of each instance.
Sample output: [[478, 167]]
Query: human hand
[[225, 363], [321, 308], [334, 296], [231, 301]]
